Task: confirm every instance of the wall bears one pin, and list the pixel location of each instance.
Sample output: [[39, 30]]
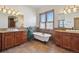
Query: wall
[[69, 18], [41, 10], [3, 20], [28, 12]]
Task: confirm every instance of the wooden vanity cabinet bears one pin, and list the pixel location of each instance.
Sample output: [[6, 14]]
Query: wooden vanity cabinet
[[18, 35], [67, 40], [22, 37], [58, 38], [75, 42], [11, 39], [0, 41], [3, 42], [8, 40]]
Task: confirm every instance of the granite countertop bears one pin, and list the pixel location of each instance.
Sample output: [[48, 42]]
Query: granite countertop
[[69, 31], [10, 30]]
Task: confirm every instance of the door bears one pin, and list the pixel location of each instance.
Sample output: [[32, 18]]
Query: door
[[76, 23], [11, 23]]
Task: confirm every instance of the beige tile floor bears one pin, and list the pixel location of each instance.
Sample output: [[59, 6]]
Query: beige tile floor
[[36, 47]]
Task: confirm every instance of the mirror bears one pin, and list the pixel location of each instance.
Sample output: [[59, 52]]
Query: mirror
[[10, 21]]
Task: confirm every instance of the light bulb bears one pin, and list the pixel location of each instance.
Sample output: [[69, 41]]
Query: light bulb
[[74, 9], [18, 13], [69, 10], [4, 10], [65, 12], [0, 9], [9, 11], [13, 12]]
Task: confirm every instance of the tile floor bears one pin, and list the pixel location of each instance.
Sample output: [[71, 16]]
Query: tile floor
[[36, 47]]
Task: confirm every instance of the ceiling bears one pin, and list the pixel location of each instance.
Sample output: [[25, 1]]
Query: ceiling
[[47, 6], [57, 8]]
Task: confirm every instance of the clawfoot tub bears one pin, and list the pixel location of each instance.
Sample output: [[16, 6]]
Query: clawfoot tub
[[42, 36]]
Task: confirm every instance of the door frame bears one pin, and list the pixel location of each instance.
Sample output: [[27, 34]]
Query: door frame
[[9, 20]]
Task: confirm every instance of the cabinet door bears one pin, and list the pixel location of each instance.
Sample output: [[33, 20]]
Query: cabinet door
[[17, 38], [56, 35], [3, 41], [20, 37], [67, 40], [75, 42], [23, 37], [9, 40], [58, 38], [0, 42], [61, 39]]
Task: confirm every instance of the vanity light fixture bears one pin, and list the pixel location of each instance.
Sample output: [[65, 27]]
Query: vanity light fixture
[[9, 11], [69, 9]]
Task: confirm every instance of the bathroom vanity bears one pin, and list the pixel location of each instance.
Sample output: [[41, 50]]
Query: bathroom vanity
[[11, 38], [68, 39]]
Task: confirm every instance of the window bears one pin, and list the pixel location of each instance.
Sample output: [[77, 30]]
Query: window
[[49, 26], [42, 21], [49, 16], [46, 20], [68, 23], [43, 18], [61, 23], [42, 25]]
